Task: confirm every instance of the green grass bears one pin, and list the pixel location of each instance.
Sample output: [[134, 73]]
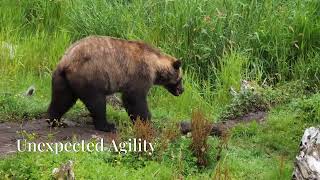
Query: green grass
[[276, 35], [254, 151], [220, 42]]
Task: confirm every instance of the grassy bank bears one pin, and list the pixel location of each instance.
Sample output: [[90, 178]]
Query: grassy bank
[[273, 43]]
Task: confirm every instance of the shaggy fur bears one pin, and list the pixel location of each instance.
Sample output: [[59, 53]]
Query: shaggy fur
[[97, 66]]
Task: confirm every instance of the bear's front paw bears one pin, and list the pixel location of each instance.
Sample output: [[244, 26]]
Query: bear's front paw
[[56, 123]]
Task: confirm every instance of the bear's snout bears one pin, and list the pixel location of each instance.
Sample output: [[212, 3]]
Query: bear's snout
[[179, 91]]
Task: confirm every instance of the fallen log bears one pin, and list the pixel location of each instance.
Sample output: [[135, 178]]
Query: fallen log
[[220, 128], [307, 164]]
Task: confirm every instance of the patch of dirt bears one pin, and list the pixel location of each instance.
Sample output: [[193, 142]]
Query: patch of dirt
[[39, 129], [10, 132], [220, 128]]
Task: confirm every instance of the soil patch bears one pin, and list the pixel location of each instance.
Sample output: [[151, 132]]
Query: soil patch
[[39, 129]]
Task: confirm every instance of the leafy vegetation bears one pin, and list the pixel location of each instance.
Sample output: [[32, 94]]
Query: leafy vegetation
[[274, 43]]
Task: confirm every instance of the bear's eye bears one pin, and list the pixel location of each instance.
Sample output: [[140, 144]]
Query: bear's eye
[[176, 64]]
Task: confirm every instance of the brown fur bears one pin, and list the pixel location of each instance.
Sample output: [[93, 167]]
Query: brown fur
[[100, 65], [122, 63]]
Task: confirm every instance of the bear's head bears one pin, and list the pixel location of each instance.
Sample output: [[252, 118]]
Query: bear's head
[[171, 78]]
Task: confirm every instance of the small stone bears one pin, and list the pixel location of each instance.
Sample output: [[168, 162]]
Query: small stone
[[31, 90]]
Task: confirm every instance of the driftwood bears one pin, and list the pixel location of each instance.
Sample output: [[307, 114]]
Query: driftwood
[[64, 172], [307, 164]]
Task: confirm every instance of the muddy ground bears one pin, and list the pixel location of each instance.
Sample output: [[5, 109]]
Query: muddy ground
[[39, 131]]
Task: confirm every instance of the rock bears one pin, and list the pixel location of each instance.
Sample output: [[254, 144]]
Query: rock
[[70, 123], [7, 50], [307, 164], [65, 171], [30, 91], [185, 127]]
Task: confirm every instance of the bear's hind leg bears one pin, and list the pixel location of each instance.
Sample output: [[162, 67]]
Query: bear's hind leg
[[136, 106], [62, 99], [96, 104]]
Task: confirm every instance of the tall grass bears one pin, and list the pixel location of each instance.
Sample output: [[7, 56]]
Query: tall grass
[[220, 42], [27, 17], [231, 71], [274, 34]]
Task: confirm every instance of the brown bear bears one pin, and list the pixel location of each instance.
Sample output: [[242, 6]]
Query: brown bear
[[97, 66]]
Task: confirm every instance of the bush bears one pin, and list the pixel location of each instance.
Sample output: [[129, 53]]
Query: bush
[[200, 130], [308, 108]]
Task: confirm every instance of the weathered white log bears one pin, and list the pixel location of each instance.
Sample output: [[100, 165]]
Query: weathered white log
[[64, 172], [307, 164]]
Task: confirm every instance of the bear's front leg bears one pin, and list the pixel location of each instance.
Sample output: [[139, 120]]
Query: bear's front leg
[[136, 106], [96, 104]]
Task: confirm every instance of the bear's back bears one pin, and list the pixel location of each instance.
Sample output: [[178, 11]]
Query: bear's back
[[112, 60]]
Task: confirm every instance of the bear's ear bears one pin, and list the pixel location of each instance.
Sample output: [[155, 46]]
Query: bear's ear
[[177, 64]]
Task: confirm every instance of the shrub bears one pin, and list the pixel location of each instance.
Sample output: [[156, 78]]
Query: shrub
[[143, 130], [200, 130]]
